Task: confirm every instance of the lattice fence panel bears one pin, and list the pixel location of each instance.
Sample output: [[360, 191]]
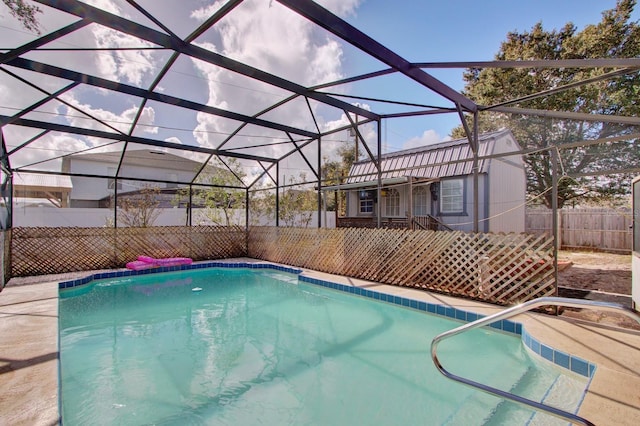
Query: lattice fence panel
[[40, 251], [498, 268]]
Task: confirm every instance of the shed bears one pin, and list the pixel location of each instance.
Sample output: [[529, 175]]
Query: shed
[[432, 187]]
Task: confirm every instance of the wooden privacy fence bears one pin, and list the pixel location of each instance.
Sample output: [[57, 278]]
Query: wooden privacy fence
[[596, 229], [497, 268], [39, 251]]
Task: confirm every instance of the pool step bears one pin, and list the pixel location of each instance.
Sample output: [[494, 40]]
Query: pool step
[[566, 393], [480, 406], [547, 385]]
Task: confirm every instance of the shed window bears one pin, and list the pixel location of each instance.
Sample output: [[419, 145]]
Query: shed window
[[365, 201], [392, 202], [420, 201], [452, 196]]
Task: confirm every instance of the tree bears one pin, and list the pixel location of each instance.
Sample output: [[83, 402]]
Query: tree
[[221, 202], [334, 172], [139, 209], [616, 36], [296, 205], [25, 13]]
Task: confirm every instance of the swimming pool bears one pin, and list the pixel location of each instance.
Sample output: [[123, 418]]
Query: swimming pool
[[262, 347]]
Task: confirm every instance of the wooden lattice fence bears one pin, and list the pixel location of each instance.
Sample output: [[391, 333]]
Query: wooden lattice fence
[[39, 251], [498, 268]]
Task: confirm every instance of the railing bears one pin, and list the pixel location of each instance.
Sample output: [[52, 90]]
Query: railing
[[510, 312], [429, 222]]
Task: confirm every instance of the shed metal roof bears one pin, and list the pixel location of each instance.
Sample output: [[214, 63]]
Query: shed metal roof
[[452, 158]]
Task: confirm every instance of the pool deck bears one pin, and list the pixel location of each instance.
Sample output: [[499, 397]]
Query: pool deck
[[29, 350]]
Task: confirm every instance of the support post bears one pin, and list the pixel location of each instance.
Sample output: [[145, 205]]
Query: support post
[[409, 214], [476, 198], [554, 208], [277, 194], [378, 205], [320, 182], [190, 206], [115, 202], [246, 210]]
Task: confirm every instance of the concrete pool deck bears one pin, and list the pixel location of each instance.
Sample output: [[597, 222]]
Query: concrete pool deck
[[29, 350]]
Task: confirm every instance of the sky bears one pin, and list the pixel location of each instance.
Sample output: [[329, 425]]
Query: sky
[[458, 30], [266, 35]]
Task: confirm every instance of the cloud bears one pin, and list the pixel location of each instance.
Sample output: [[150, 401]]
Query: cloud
[[128, 65], [340, 7], [173, 139], [429, 137], [45, 153], [121, 121], [271, 37], [205, 12]]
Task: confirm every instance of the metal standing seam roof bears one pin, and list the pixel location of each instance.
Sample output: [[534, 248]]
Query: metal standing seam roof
[[429, 162]]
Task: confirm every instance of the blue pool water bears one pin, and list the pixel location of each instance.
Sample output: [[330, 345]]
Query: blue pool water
[[225, 346]]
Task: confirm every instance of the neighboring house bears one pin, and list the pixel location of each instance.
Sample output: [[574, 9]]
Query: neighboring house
[[137, 164], [41, 190], [429, 187]]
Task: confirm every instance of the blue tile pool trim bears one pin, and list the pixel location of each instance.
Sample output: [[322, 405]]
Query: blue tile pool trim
[[562, 359], [199, 265]]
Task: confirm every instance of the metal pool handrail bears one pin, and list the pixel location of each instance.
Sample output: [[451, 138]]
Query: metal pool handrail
[[508, 313]]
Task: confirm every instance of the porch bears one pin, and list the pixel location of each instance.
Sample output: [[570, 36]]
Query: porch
[[426, 222]]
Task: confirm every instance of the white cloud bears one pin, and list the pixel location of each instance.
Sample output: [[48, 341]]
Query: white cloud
[[205, 12], [268, 36], [43, 154], [340, 7], [173, 139], [429, 137], [121, 121], [128, 65], [106, 5]]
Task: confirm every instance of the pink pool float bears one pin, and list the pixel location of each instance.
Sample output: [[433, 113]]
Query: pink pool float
[[146, 262]]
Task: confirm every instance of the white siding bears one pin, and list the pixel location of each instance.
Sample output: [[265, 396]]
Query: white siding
[[507, 189]]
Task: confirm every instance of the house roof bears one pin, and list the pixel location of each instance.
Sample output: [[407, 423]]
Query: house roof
[[452, 158], [153, 158], [21, 180]]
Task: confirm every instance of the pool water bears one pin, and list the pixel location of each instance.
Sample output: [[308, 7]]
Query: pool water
[[243, 347]]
